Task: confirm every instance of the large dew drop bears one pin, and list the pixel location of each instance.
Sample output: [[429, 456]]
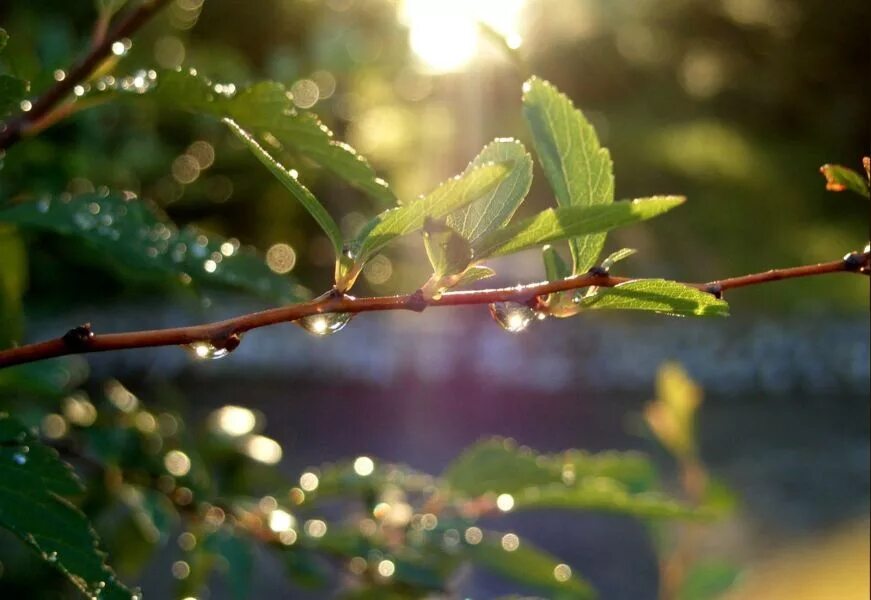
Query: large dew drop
[[207, 350], [512, 316], [324, 324]]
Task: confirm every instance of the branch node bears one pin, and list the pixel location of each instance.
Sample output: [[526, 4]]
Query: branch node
[[715, 289], [78, 338], [857, 261], [417, 301]]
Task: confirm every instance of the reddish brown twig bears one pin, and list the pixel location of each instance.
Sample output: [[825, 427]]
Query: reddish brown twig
[[82, 340], [13, 130]]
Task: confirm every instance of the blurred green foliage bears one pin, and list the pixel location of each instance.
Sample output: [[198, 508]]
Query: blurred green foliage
[[735, 102]]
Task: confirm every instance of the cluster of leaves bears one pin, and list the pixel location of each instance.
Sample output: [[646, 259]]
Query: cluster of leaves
[[403, 532], [465, 220], [390, 531]]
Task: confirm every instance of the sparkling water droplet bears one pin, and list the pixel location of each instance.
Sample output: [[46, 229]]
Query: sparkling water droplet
[[324, 324], [51, 557], [18, 458], [207, 350], [512, 316]]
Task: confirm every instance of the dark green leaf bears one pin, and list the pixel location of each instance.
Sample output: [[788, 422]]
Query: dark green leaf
[[265, 110], [12, 92], [530, 566], [556, 224], [840, 178], [51, 378], [578, 168], [32, 483], [134, 237], [495, 209], [658, 295], [288, 179], [4, 38]]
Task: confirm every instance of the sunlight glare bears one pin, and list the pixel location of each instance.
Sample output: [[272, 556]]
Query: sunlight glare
[[443, 34]]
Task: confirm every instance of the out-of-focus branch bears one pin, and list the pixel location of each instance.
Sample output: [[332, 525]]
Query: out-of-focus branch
[[15, 128]]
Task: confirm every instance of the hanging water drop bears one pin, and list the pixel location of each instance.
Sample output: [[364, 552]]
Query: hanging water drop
[[18, 458], [209, 350], [324, 324], [512, 316]]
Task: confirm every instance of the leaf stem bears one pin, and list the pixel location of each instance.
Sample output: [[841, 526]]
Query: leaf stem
[[221, 331], [15, 128]]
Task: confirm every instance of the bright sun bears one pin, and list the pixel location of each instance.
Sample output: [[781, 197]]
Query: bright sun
[[443, 34]]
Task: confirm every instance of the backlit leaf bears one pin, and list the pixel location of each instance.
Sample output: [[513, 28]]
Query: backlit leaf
[[658, 295], [578, 168], [556, 224]]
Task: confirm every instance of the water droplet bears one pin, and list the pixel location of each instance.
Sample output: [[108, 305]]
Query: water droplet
[[18, 458], [512, 316], [51, 557], [324, 324], [208, 350]]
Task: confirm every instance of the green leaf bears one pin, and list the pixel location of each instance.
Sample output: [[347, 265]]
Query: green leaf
[[578, 168], [556, 224], [4, 38], [288, 179], [498, 466], [658, 295], [32, 483], [445, 199], [615, 257], [495, 209], [707, 581], [265, 110], [613, 482], [449, 253], [530, 566], [602, 494], [132, 236], [51, 378], [840, 178]]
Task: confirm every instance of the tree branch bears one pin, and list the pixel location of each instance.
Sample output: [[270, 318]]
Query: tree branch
[[81, 340], [14, 129]]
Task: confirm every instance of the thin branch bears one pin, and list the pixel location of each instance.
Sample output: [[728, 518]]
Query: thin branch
[[14, 129], [81, 340]]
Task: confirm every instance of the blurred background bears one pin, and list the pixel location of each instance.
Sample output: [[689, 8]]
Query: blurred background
[[733, 103]]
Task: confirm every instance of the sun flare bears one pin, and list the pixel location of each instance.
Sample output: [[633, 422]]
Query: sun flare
[[444, 34]]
